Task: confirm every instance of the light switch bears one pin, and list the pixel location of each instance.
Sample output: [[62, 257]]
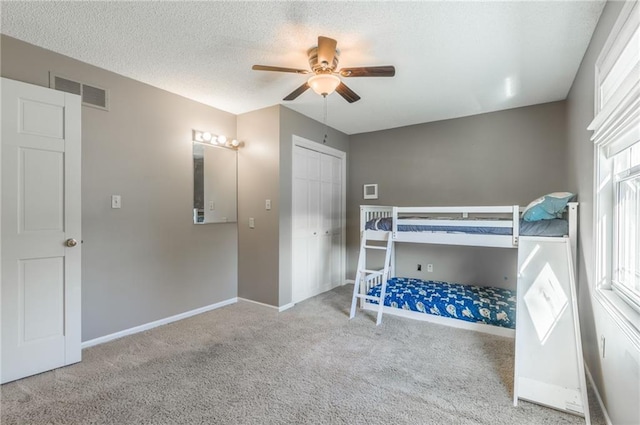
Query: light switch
[[252, 223], [212, 206], [115, 201], [267, 204]]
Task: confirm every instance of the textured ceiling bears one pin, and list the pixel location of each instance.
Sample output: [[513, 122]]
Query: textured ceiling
[[452, 59]]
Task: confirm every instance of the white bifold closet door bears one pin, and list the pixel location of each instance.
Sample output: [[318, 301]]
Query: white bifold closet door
[[317, 232]]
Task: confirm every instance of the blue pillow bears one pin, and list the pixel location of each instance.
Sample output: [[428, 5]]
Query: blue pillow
[[547, 207]]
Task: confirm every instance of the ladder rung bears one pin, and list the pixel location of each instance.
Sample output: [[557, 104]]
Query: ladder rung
[[384, 248], [371, 272], [368, 297]]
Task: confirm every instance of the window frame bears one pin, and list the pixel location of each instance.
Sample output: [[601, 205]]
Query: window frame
[[620, 288], [616, 127]]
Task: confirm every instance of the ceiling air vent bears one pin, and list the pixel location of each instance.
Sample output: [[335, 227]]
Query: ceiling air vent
[[93, 96]]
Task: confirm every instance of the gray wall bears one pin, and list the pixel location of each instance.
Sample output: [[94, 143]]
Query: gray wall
[[146, 261], [258, 180], [501, 158], [617, 376]]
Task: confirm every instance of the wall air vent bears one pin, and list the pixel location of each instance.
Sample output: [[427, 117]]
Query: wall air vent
[[93, 96], [69, 86]]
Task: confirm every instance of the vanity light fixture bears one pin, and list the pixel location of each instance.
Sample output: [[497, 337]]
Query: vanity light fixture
[[215, 140]]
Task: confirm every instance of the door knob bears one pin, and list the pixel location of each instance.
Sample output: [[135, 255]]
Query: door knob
[[71, 243]]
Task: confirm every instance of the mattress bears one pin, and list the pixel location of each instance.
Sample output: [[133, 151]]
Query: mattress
[[492, 306], [551, 228]]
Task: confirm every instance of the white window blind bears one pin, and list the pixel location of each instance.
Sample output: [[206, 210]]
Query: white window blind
[[616, 124]]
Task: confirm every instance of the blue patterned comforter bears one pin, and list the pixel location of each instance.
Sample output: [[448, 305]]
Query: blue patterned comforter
[[493, 306]]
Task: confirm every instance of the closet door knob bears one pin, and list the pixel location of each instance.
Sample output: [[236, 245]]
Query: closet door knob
[[71, 243]]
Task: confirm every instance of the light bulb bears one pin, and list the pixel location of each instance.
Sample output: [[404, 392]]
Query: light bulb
[[222, 140], [206, 136], [235, 143]]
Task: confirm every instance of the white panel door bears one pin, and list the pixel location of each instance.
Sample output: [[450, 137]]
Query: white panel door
[[40, 226], [300, 223], [327, 222], [306, 223], [317, 218], [336, 221], [331, 231]]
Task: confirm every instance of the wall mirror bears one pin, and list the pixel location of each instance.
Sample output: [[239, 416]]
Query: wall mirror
[[214, 184]]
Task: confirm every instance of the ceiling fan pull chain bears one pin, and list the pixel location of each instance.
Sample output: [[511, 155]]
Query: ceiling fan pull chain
[[325, 119]]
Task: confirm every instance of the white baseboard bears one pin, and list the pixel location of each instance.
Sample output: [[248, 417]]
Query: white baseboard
[[285, 307], [257, 302], [349, 281], [155, 324], [280, 309], [595, 390]]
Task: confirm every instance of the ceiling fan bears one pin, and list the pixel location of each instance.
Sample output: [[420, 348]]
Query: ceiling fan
[[323, 61]]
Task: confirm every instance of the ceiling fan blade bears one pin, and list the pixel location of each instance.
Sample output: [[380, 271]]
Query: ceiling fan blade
[[279, 69], [326, 50], [369, 71], [297, 92], [348, 94]]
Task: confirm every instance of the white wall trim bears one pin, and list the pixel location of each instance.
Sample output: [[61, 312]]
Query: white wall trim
[[280, 309], [285, 307], [625, 317], [257, 302], [155, 324], [319, 147], [595, 390]]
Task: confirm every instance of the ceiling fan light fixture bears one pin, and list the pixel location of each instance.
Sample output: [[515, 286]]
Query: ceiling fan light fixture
[[324, 84]]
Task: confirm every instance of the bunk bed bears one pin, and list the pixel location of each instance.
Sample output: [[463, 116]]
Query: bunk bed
[[484, 309], [544, 300]]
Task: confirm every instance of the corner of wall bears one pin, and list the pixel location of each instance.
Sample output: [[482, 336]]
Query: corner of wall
[[258, 180]]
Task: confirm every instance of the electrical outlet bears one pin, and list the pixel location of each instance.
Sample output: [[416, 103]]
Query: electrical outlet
[[430, 268], [419, 267]]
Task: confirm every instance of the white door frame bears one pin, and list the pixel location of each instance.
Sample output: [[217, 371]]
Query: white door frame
[[319, 147]]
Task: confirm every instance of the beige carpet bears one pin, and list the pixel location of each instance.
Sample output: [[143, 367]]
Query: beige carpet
[[248, 364]]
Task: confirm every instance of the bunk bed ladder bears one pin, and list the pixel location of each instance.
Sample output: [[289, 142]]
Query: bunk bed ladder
[[363, 274]]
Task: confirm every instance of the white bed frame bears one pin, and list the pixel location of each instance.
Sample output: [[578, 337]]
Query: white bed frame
[[498, 216]]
